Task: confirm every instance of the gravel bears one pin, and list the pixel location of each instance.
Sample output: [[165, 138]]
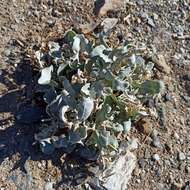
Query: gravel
[[163, 26]]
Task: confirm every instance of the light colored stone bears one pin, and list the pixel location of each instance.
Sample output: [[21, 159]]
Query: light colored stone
[[48, 186], [118, 174], [181, 156], [156, 157], [176, 136]]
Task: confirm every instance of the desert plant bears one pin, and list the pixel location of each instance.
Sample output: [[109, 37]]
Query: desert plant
[[93, 93]]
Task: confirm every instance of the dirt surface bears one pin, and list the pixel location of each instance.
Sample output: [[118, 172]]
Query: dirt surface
[[163, 26]]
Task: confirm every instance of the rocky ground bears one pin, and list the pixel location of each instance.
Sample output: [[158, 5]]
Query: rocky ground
[[164, 144]]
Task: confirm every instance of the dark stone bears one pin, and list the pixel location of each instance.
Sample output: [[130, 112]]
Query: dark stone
[[142, 163], [186, 77], [167, 97]]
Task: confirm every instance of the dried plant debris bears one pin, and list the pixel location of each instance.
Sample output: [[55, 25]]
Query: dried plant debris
[[93, 93]]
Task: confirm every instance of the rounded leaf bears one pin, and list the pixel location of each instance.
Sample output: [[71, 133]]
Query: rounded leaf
[[45, 75]]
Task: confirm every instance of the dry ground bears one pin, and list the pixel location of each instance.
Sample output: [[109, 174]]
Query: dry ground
[[163, 26]]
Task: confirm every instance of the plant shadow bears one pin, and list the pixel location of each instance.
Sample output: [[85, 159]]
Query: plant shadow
[[16, 138]]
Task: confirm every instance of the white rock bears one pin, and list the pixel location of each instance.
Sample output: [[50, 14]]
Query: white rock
[[176, 135], [48, 186], [181, 156], [156, 157], [118, 174]]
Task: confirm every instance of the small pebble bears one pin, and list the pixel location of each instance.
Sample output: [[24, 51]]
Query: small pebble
[[134, 144], [156, 142], [154, 133], [51, 23], [176, 136], [7, 52], [155, 16], [167, 97], [142, 163], [156, 157], [187, 169], [146, 154], [176, 186], [144, 15], [181, 156], [182, 167], [140, 2], [151, 22], [48, 186], [168, 147], [167, 163], [161, 186], [56, 13], [186, 77]]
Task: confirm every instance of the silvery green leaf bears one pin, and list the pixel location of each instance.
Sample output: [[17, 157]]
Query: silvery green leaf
[[70, 101], [87, 153], [74, 137], [85, 108], [45, 77], [115, 53], [108, 24], [151, 87], [86, 89], [67, 86], [117, 127], [84, 44], [127, 126], [103, 139], [76, 49], [76, 44], [63, 112], [54, 50], [126, 72], [54, 108], [61, 68], [108, 75], [125, 49], [120, 85], [65, 144], [149, 67], [82, 131], [77, 88], [50, 95], [104, 113], [69, 37], [96, 89], [46, 146], [99, 51], [39, 56], [45, 132], [113, 142], [140, 61]]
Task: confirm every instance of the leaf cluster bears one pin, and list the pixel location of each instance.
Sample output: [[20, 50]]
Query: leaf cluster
[[93, 94]]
